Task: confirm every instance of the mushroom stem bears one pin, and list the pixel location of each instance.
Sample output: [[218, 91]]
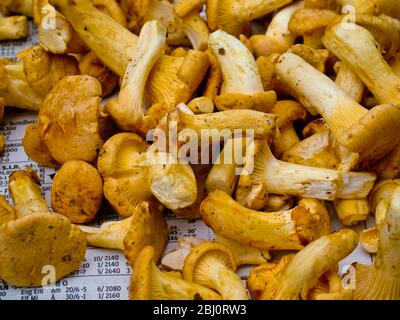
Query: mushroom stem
[[113, 44], [196, 30], [358, 48], [24, 188], [281, 177], [129, 109]]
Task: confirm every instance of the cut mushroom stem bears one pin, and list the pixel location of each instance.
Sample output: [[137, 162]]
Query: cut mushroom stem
[[352, 212], [24, 188], [129, 109], [242, 86], [212, 265], [285, 230], [281, 177], [13, 28], [358, 129], [149, 283]]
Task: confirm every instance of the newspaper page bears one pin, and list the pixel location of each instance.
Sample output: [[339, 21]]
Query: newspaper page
[[104, 274]]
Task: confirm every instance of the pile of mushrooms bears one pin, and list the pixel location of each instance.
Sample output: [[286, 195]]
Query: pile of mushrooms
[[318, 88]]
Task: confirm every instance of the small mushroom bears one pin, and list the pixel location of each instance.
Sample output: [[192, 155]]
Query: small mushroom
[[43, 69], [68, 119], [212, 265], [234, 16], [77, 191], [37, 239], [13, 28], [295, 276], [278, 37], [358, 129], [242, 87], [280, 177], [35, 147], [285, 230], [128, 109], [149, 283]]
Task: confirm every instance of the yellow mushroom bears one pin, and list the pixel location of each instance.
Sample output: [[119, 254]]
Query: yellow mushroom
[[381, 280], [233, 16], [212, 265], [184, 7], [389, 166], [13, 28], [242, 87], [376, 7], [35, 147], [23, 7], [37, 239], [349, 82], [77, 191], [68, 119], [295, 276], [278, 37], [24, 188], [129, 108], [91, 65], [15, 88], [7, 212], [285, 230], [358, 48], [286, 178], [196, 30], [55, 33], [43, 69], [358, 129], [311, 24], [149, 283]]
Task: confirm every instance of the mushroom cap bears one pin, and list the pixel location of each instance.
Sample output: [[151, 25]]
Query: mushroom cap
[[221, 15], [148, 228], [43, 69], [68, 119], [29, 244], [77, 191], [307, 21], [374, 134], [7, 212], [263, 281], [36, 148], [200, 252]]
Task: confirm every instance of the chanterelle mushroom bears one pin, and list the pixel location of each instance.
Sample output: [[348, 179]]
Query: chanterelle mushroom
[[212, 265], [13, 28], [299, 274], [37, 239], [381, 281], [149, 283], [286, 230], [355, 127], [128, 109], [68, 119], [77, 191], [233, 16], [242, 87], [7, 212]]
